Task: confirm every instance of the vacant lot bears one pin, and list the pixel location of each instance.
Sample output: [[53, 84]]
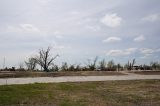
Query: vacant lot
[[117, 93], [56, 74], [148, 72]]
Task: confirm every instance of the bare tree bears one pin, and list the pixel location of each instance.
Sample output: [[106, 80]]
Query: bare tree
[[131, 64], [92, 65], [44, 58], [64, 66], [102, 65], [31, 63], [119, 67], [110, 64], [155, 65]]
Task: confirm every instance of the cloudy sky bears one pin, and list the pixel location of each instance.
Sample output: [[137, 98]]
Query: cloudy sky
[[80, 29]]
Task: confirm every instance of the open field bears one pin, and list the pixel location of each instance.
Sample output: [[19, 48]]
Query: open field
[[57, 74], [126, 93], [148, 72]]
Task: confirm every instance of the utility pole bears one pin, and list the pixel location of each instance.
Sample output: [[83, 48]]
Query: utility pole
[[4, 62]]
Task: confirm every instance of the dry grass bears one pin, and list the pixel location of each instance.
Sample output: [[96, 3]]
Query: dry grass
[[111, 93], [56, 74]]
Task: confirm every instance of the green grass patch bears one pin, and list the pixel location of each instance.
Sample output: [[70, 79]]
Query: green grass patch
[[140, 92]]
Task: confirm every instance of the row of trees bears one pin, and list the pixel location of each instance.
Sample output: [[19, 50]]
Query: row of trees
[[45, 61], [90, 66]]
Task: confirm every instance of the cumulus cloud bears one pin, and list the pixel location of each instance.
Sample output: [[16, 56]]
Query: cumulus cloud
[[139, 38], [121, 52], [151, 18], [111, 20], [112, 39]]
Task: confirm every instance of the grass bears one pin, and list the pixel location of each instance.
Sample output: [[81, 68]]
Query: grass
[[56, 74], [111, 93]]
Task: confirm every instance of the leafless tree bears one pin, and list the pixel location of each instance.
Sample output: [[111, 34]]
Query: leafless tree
[[110, 64], [102, 65], [131, 64], [31, 63], [64, 66], [44, 58], [92, 65]]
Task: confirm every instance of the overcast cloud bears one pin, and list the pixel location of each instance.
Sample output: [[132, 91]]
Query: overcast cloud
[[80, 29]]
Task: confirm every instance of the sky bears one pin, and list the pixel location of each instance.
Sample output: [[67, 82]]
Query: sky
[[79, 30]]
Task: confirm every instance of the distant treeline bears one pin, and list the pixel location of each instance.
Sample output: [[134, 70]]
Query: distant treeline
[[44, 60], [101, 66]]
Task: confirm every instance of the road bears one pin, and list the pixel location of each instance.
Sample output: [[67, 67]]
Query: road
[[11, 81]]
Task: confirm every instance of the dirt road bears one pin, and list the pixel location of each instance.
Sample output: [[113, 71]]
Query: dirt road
[[10, 81]]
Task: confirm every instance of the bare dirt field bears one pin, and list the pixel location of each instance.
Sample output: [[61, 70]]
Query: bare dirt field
[[147, 72], [57, 74]]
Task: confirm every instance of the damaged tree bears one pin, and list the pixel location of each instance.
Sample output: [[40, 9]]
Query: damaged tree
[[131, 64], [31, 63], [44, 58]]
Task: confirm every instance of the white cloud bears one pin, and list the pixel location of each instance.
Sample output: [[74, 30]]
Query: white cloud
[[112, 39], [111, 20], [152, 18], [115, 53], [146, 51], [146, 56], [23, 28], [29, 28], [139, 38], [93, 28], [121, 52], [131, 50]]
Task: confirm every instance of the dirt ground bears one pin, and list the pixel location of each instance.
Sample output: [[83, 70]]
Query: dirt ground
[[147, 72], [57, 74]]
